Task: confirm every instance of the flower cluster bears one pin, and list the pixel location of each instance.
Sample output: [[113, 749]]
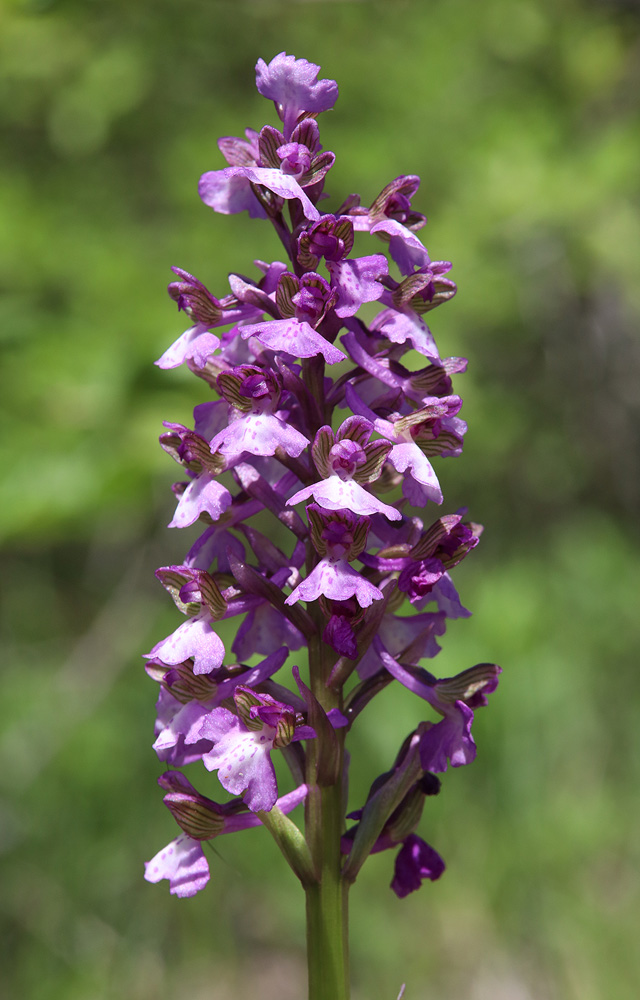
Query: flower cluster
[[310, 474]]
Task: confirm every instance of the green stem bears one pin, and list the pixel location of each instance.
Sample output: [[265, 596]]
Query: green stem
[[291, 842], [327, 912]]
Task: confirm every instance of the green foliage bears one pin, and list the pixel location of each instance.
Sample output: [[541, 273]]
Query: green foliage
[[522, 119]]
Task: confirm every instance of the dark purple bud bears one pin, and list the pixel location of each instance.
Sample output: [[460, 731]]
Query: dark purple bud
[[417, 579], [338, 633], [416, 861]]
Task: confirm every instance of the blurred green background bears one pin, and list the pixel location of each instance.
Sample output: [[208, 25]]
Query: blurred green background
[[521, 116]]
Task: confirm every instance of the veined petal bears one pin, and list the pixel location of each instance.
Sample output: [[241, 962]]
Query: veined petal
[[194, 638], [337, 581], [259, 434], [407, 455], [228, 191], [294, 336], [242, 759], [399, 327], [196, 344], [204, 494], [357, 281], [183, 863], [335, 494]]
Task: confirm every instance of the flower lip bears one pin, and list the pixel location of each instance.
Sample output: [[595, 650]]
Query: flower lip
[[293, 85]]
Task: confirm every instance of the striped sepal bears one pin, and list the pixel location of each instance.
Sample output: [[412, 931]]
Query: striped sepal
[[431, 446], [444, 290], [268, 144], [285, 730], [228, 384], [211, 595], [173, 579], [322, 445], [194, 816], [288, 286], [406, 185], [360, 532], [317, 525], [376, 453], [320, 167], [306, 259], [245, 700], [355, 428], [236, 152], [196, 453], [449, 561], [186, 686], [467, 684], [433, 376], [431, 538], [307, 134], [197, 302], [343, 229], [409, 288]]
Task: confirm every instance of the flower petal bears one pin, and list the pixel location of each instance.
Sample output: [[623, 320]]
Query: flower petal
[[183, 863]]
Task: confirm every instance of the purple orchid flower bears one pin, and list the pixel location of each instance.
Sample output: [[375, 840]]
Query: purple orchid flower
[[242, 744], [186, 699], [393, 202], [293, 85], [257, 427], [421, 483], [282, 353], [196, 594], [338, 538], [302, 304], [416, 860], [449, 740], [345, 460], [203, 494], [182, 861]]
